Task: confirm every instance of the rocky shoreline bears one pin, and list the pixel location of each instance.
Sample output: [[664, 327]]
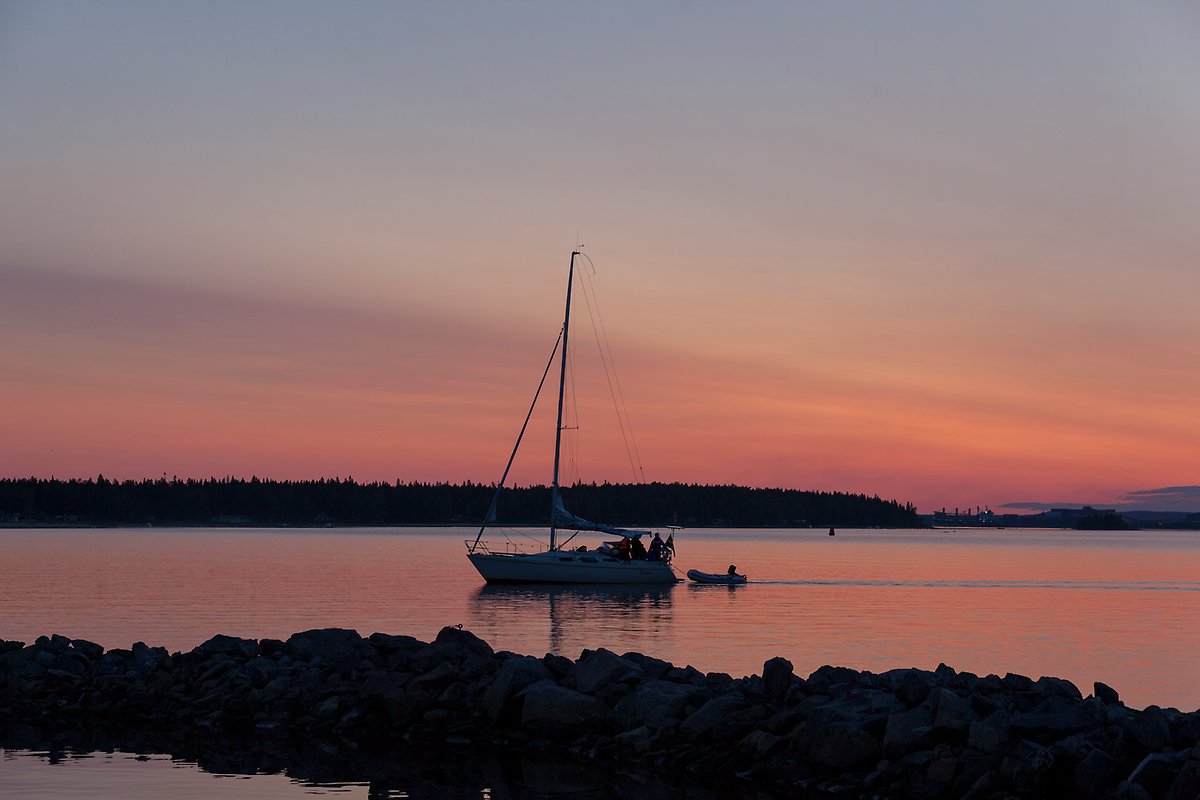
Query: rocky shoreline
[[837, 733]]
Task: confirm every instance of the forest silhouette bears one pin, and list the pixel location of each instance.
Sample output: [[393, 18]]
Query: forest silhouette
[[325, 502]]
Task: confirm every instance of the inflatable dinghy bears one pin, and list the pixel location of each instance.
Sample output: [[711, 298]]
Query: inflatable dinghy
[[715, 577]]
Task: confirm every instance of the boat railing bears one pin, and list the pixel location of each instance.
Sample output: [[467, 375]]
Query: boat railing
[[487, 549]]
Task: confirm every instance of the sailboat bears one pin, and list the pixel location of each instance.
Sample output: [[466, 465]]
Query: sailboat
[[604, 564]]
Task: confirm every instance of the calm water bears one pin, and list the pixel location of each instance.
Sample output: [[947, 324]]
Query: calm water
[[1121, 607]]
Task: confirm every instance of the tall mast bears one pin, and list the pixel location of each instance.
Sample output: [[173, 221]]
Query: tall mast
[[562, 382]]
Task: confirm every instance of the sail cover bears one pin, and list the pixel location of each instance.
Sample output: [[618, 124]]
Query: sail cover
[[565, 519]]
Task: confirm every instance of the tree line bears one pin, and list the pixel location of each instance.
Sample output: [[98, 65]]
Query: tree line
[[255, 501]]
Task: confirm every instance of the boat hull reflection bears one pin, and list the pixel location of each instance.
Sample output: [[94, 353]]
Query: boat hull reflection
[[570, 618]]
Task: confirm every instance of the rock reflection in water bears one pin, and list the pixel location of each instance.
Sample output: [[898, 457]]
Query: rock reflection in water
[[450, 773], [570, 618]]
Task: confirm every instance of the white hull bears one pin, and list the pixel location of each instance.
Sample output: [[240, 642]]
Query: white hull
[[565, 566]]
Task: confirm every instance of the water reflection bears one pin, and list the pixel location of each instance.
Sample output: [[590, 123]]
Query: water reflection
[[569, 617], [111, 763]]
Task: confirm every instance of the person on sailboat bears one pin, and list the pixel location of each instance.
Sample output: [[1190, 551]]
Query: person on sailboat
[[656, 547], [637, 550], [623, 548]]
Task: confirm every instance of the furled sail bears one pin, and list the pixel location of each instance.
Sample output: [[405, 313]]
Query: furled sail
[[565, 519]]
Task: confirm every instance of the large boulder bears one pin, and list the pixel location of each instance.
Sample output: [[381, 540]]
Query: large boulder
[[222, 645], [331, 644], [462, 643], [500, 701], [1150, 729], [654, 704], [777, 678], [908, 731], [710, 715], [598, 668], [556, 709]]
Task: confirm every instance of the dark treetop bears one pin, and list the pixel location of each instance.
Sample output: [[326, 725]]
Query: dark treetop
[[235, 501]]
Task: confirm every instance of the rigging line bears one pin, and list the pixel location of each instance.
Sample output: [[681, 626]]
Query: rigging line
[[492, 508], [621, 422], [617, 379], [621, 407]]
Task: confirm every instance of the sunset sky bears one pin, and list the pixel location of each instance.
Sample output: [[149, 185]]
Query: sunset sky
[[946, 253]]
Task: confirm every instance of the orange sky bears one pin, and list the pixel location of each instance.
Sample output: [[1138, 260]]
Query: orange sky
[[946, 256]]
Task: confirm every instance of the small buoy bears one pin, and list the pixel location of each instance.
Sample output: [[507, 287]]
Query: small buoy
[[831, 531]]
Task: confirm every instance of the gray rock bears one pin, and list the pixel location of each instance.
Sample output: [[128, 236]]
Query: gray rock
[[777, 678], [500, 701], [597, 668], [556, 709]]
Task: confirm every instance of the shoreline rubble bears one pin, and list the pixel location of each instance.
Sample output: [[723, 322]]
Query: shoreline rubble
[[837, 733]]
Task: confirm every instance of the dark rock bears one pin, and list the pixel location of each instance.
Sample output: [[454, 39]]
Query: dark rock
[[91, 650], [553, 708], [702, 722], [760, 744], [1027, 767], [500, 701], [597, 668], [844, 745], [1105, 693], [560, 666], [654, 704], [1013, 682], [330, 644], [1054, 717], [777, 678], [952, 713], [271, 647], [651, 667], [1095, 773], [1156, 773], [688, 674], [222, 645], [913, 686], [1057, 687], [436, 679], [989, 735], [8, 646], [908, 731], [1150, 729], [1187, 783], [460, 641]]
